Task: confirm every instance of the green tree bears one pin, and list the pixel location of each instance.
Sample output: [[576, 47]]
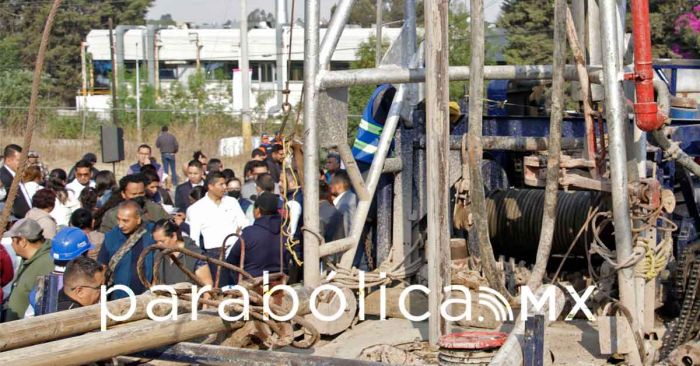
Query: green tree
[[528, 27], [358, 95], [364, 12], [458, 39], [24, 20], [164, 21], [671, 32]]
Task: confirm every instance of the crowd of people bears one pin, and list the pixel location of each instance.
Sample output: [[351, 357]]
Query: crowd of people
[[81, 229]]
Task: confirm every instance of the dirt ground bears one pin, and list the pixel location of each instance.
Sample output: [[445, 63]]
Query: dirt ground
[[64, 153], [567, 343]]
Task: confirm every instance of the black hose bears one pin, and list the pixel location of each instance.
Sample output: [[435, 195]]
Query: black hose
[[515, 221]]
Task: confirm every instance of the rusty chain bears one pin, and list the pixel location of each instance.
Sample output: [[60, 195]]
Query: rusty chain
[[275, 338]]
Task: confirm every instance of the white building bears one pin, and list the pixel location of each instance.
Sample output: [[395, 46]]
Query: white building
[[173, 55]]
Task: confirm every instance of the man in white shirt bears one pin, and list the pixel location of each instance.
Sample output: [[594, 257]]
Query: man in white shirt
[[214, 217], [82, 179]]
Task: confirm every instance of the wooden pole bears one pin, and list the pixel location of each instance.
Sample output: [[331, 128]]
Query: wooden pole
[[128, 339], [585, 85], [549, 213], [476, 148], [31, 118], [437, 150], [29, 331]]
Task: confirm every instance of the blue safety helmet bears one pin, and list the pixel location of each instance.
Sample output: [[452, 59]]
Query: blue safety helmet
[[69, 243]]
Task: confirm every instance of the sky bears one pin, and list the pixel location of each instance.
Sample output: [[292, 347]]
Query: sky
[[219, 11]]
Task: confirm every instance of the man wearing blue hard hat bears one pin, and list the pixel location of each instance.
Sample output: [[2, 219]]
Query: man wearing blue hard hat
[[68, 244]]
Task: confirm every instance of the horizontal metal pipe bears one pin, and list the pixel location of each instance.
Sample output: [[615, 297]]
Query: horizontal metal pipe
[[393, 165], [400, 75], [514, 143]]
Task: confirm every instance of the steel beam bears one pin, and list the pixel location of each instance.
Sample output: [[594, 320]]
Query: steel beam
[[617, 124], [333, 32], [400, 75], [312, 270]]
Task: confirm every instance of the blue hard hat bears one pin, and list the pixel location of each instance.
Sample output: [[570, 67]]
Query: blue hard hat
[[69, 243]]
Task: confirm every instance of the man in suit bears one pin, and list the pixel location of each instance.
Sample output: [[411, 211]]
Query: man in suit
[[7, 174], [331, 219], [344, 199], [195, 177]]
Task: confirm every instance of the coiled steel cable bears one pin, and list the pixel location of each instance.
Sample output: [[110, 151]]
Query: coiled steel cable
[[515, 220]]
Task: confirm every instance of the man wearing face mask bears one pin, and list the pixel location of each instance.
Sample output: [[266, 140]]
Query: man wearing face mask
[[133, 187], [234, 190]]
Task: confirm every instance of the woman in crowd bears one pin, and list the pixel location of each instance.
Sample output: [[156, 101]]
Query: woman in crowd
[[32, 180], [43, 203], [105, 185], [65, 205], [167, 233]]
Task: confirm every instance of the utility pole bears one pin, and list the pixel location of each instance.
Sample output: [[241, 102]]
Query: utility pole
[[83, 77], [195, 37], [378, 48], [114, 73], [280, 22], [245, 80], [437, 151], [138, 95]]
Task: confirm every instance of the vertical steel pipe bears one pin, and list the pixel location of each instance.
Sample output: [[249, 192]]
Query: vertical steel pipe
[[403, 181], [245, 79], [437, 151], [616, 117], [333, 32], [312, 275], [281, 21]]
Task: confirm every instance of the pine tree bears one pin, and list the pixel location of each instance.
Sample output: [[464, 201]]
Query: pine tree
[[529, 32], [22, 22]]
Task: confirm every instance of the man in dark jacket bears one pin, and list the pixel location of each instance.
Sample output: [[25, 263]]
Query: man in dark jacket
[[136, 235], [168, 146], [22, 204], [143, 154], [261, 251], [331, 219], [274, 161], [133, 187], [195, 177]]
